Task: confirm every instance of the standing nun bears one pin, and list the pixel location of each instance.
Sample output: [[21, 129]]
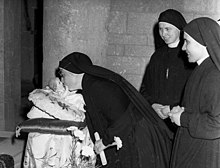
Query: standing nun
[[168, 69], [197, 143]]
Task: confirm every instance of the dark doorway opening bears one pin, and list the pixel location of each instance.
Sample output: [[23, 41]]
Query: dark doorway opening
[[38, 44]]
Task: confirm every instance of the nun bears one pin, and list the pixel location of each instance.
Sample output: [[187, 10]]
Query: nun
[[168, 70], [197, 143], [114, 108]]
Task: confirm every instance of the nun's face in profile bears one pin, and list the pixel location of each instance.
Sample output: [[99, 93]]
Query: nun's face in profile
[[73, 81], [194, 49]]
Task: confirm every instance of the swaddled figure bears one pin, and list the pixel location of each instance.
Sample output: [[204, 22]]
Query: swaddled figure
[[55, 101]]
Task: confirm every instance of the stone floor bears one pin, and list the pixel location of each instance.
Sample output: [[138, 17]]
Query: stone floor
[[14, 147]]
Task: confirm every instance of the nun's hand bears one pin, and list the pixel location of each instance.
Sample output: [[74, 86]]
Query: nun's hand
[[165, 110], [99, 146], [175, 114], [160, 110]]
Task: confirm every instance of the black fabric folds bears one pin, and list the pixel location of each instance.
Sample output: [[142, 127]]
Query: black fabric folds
[[83, 63]]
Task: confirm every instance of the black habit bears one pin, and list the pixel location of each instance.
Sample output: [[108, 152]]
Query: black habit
[[168, 70], [165, 78], [115, 108], [197, 143]]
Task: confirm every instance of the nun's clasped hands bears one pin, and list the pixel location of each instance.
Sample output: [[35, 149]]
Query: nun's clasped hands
[[175, 114]]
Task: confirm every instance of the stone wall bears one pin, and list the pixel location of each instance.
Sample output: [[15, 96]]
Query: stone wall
[[117, 34], [73, 26], [10, 54], [2, 122]]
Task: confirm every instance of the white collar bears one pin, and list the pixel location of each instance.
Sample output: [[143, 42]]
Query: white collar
[[174, 45], [202, 59]]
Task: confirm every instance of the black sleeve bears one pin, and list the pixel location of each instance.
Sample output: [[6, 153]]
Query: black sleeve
[[205, 124], [112, 102]]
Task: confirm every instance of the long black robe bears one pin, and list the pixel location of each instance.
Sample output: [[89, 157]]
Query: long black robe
[[197, 143], [137, 124], [165, 77], [111, 113]]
